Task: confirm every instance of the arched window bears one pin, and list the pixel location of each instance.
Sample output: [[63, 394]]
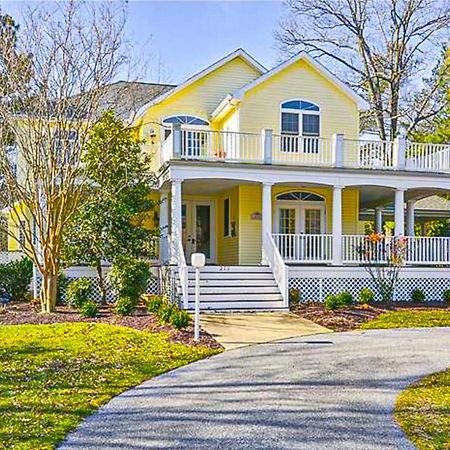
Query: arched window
[[185, 120], [300, 118], [300, 195]]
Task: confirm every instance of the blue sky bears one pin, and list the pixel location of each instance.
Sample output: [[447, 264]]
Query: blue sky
[[186, 36]]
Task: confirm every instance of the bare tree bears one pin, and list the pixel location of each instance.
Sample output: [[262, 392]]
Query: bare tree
[[383, 47], [71, 51]]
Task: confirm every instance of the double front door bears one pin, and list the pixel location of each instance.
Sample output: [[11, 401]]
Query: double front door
[[198, 229]]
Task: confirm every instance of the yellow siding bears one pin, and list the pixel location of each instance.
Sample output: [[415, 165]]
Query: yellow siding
[[200, 98]]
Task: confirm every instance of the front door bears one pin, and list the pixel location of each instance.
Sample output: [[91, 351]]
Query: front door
[[198, 229]]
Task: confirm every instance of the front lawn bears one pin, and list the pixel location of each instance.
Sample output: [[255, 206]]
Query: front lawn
[[52, 376], [423, 412], [415, 318]]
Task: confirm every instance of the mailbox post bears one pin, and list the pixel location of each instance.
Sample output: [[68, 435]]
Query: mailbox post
[[198, 261]]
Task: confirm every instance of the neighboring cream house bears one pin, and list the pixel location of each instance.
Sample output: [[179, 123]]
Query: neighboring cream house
[[264, 172]]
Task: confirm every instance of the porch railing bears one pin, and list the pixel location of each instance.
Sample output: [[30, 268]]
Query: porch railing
[[356, 249], [312, 248], [279, 269], [335, 151]]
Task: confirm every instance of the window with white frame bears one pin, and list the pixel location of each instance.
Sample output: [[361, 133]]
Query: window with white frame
[[300, 126]]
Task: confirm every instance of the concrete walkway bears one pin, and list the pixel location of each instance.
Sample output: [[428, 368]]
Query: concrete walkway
[[330, 391], [234, 330]]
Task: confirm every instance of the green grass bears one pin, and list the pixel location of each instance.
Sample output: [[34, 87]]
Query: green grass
[[423, 412], [410, 319], [52, 376]]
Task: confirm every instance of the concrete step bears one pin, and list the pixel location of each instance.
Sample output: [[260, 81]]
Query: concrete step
[[236, 290]]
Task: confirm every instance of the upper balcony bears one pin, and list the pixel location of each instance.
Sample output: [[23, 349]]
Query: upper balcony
[[337, 151]]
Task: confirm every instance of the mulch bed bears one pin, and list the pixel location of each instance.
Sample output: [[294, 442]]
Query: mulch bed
[[347, 319], [26, 313]]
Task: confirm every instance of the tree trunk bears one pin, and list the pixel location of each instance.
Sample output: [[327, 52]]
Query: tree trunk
[[49, 292], [101, 282]]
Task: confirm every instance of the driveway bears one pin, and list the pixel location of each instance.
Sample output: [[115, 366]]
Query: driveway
[[330, 391]]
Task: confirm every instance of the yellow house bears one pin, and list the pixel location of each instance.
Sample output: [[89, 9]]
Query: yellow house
[[264, 172]]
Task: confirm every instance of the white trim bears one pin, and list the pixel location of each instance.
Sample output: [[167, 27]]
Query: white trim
[[300, 113], [237, 53], [362, 104], [229, 216]]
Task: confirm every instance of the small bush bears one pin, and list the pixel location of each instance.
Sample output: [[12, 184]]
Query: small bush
[[79, 291], [15, 278], [333, 302], [366, 296], [154, 303], [180, 319], [446, 296], [129, 278], [294, 298], [88, 309], [166, 312], [125, 306], [417, 296]]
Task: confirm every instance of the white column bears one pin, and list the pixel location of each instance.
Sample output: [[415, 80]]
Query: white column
[[266, 225], [338, 149], [337, 225], [399, 147], [410, 217], [176, 228], [163, 226], [266, 143], [399, 212], [379, 219]]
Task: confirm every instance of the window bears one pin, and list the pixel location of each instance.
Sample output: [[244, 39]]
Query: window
[[300, 118], [226, 217], [186, 120], [299, 195]]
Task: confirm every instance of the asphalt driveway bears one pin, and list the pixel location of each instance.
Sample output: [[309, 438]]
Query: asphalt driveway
[[330, 391]]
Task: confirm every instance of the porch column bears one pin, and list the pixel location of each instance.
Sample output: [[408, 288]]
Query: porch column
[[399, 212], [337, 225], [266, 225], [410, 204], [164, 226], [379, 219], [176, 223]]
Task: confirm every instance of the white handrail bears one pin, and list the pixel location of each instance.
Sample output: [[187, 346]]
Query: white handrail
[[279, 268], [177, 247]]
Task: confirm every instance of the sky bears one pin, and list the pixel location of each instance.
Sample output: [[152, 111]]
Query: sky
[[179, 38]]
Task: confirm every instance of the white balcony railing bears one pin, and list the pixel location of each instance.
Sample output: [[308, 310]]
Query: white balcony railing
[[356, 249], [267, 148]]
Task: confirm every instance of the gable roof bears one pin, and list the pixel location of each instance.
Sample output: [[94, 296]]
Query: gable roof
[[237, 53], [362, 104]]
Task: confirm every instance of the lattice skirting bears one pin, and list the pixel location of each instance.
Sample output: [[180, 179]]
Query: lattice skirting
[[316, 289]]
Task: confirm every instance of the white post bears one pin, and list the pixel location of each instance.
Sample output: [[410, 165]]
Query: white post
[[399, 153], [338, 150], [197, 260], [176, 222], [266, 225], [399, 212], [164, 226], [379, 219], [176, 140], [266, 143], [410, 204], [337, 225]]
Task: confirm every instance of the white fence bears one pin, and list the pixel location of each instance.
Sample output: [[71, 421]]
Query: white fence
[[312, 248]]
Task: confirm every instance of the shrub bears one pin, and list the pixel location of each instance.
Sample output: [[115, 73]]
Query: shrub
[[341, 300], [89, 308], [366, 295], [294, 297], [79, 291], [417, 296], [125, 306], [154, 303], [15, 278], [180, 319], [129, 278], [165, 313], [446, 296]]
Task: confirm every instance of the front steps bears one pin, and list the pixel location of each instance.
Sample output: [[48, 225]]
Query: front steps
[[235, 288]]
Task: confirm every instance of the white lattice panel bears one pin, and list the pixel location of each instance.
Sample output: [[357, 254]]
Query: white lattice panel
[[316, 289]]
